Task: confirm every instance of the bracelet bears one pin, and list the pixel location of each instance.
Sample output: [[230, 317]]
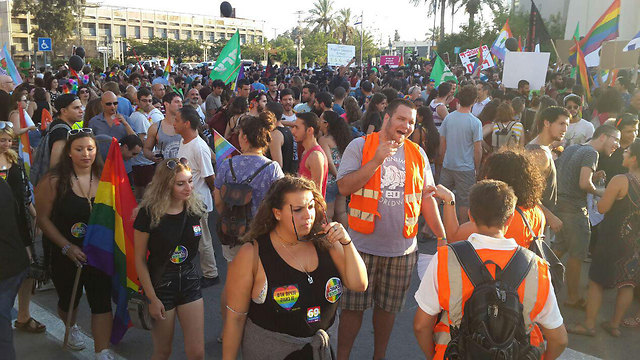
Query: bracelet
[[236, 312], [346, 243], [65, 249]]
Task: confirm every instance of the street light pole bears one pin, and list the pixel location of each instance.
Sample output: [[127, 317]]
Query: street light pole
[[361, 38]]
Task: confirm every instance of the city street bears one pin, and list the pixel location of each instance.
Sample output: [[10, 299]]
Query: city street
[[137, 344]]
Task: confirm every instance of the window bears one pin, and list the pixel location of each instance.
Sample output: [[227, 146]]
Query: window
[[243, 39], [162, 33], [134, 31], [89, 29], [121, 30], [104, 29], [148, 32]]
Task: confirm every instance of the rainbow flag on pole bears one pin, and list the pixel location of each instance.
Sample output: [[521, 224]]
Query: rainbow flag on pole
[[222, 148], [24, 146], [109, 240], [167, 69], [583, 76], [606, 28], [499, 48]]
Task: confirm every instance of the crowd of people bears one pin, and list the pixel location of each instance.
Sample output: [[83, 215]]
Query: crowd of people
[[345, 181]]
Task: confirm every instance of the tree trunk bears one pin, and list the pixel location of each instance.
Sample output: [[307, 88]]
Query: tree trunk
[[442, 14]]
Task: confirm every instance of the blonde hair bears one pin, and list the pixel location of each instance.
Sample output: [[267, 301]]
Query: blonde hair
[[11, 155], [157, 199]]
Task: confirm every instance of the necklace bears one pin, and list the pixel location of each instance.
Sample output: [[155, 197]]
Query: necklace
[[86, 195], [281, 240]]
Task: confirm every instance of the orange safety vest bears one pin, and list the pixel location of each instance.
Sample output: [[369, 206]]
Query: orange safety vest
[[455, 288], [363, 207]]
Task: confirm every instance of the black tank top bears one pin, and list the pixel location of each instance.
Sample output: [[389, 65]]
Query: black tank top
[[70, 215], [292, 305], [288, 165]]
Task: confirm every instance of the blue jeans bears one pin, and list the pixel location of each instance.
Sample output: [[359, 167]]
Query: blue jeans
[[8, 292]]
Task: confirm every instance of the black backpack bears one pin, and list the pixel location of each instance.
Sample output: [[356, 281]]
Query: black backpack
[[236, 214], [492, 326]]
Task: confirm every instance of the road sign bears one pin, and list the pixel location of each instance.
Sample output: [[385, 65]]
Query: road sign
[[44, 44], [102, 49]]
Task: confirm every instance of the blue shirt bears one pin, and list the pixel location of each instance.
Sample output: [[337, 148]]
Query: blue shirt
[[100, 127], [461, 131], [124, 106], [258, 86], [338, 109]]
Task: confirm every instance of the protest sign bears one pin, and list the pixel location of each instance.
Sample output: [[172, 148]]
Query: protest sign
[[530, 66], [393, 61], [613, 56], [468, 58], [338, 55]]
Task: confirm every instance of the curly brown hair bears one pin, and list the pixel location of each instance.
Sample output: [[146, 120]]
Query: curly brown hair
[[258, 128], [517, 168], [264, 221]]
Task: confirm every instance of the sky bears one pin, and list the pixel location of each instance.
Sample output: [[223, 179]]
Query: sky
[[381, 17]]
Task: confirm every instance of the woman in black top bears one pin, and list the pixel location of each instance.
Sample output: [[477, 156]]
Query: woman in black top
[[298, 267], [12, 171], [372, 119], [167, 228], [64, 200]]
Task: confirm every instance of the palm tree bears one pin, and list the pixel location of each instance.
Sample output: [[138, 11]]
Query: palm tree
[[345, 30], [472, 7], [433, 6], [321, 15]]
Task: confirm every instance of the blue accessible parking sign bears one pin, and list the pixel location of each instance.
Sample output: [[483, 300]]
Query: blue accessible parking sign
[[44, 44]]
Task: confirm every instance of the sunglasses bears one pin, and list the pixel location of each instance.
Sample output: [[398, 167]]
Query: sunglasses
[[172, 163], [74, 132], [84, 92], [6, 124], [316, 230], [115, 103]]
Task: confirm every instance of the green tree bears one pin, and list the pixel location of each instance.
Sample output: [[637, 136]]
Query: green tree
[[254, 52], [432, 6], [284, 49], [343, 25], [53, 18], [321, 15], [472, 7]]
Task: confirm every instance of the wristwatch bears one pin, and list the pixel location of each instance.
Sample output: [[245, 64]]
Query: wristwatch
[[451, 202]]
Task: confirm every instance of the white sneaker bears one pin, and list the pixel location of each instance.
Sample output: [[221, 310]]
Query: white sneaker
[[105, 354], [75, 341]]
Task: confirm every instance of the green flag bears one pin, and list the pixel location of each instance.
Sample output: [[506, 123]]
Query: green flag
[[441, 73], [229, 61], [576, 37]]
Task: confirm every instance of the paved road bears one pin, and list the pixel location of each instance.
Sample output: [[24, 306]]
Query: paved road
[[137, 344]]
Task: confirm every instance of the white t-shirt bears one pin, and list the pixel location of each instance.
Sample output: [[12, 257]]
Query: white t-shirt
[[427, 294], [140, 123], [199, 155], [578, 133], [479, 106]]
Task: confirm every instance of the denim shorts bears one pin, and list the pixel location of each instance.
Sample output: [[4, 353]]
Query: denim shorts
[[179, 285], [332, 192]]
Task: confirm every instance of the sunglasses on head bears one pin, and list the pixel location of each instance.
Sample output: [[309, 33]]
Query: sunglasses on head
[[83, 91], [115, 103], [74, 132], [6, 124], [172, 163]]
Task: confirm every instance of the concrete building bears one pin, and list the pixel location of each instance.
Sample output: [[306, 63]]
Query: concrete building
[[586, 12], [105, 26]]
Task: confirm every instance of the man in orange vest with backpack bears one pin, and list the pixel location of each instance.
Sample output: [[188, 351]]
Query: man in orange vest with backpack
[[386, 176], [487, 297]]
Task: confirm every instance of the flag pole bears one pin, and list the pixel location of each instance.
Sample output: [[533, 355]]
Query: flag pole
[[553, 43], [71, 303]]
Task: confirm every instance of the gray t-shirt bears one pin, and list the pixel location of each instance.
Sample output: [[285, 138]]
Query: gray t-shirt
[[461, 131], [569, 165], [550, 194], [212, 103], [387, 239]]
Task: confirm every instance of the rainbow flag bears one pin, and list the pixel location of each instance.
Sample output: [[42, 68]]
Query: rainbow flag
[[7, 67], [167, 69], [109, 240], [222, 148], [583, 76], [24, 147], [499, 49], [606, 28]]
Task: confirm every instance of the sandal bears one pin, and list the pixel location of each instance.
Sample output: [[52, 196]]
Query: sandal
[[613, 331], [32, 325], [580, 304], [579, 329], [632, 322]]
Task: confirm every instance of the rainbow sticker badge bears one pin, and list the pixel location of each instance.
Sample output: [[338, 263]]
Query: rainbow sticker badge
[[197, 230], [333, 289], [180, 254], [78, 230], [313, 314], [286, 296]]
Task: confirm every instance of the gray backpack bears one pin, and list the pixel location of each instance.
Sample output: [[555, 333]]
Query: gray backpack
[[505, 136], [42, 157]]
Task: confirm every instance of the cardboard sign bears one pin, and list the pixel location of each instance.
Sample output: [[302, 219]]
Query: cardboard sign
[[338, 55], [468, 58], [614, 58], [392, 60], [530, 66]]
